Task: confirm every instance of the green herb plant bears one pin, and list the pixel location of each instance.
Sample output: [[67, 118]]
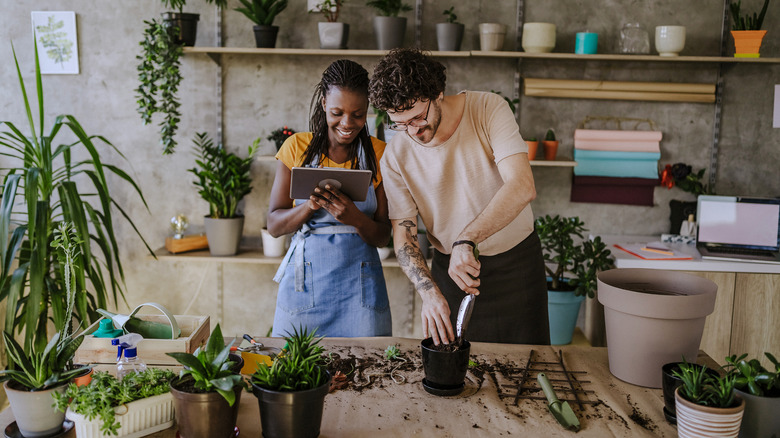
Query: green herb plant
[[209, 367], [262, 12], [105, 392], [746, 21], [179, 4], [223, 178], [300, 367], [704, 388], [450, 14], [52, 366], [753, 378], [329, 9], [389, 8], [574, 265]]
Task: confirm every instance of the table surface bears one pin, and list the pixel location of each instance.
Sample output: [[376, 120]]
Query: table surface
[[387, 398]]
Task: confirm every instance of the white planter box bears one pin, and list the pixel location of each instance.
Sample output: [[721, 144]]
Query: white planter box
[[136, 419]]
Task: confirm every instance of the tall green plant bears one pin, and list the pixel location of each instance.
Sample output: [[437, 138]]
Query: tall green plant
[[747, 22], [262, 12], [389, 8], [299, 367], [44, 174]]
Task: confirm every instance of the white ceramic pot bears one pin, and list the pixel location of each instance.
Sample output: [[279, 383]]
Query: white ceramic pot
[[491, 36], [136, 419], [695, 421], [669, 40], [274, 246], [538, 37], [34, 411], [333, 35]]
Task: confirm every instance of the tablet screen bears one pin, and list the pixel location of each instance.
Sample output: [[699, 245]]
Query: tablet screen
[[352, 182]]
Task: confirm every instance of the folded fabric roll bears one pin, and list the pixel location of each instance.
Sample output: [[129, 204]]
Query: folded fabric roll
[[617, 164], [608, 190], [611, 140], [615, 135]]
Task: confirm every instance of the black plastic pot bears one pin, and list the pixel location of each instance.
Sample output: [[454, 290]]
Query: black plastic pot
[[295, 414], [238, 362], [265, 36], [670, 382], [187, 25], [204, 415], [445, 372]]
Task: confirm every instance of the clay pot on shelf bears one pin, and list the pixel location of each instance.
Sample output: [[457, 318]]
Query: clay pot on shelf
[[533, 146], [550, 149]]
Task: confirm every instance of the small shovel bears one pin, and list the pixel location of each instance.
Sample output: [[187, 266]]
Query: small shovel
[[560, 410], [464, 311]]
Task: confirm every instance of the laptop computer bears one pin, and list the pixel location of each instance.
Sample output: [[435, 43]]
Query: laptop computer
[[738, 228]]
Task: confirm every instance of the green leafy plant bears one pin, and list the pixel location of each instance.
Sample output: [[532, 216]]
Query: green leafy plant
[[299, 367], [531, 139], [179, 4], [392, 352], [575, 265], [105, 392], [43, 170], [753, 378], [682, 176], [550, 136], [706, 389], [278, 136], [389, 8], [223, 177], [450, 14], [746, 22], [54, 364], [330, 9], [209, 367], [159, 74], [262, 12]]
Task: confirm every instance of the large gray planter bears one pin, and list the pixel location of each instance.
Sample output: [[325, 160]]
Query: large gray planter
[[389, 32], [224, 235], [333, 35], [34, 411], [762, 416], [449, 36]]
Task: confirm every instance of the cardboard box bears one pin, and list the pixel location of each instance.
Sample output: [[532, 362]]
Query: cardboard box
[[195, 331]]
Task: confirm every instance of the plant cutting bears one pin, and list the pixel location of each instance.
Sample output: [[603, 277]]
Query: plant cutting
[[389, 28], [223, 179], [746, 30], [449, 34], [571, 268], [760, 388], [104, 407], [333, 35], [207, 382], [263, 13], [291, 391], [550, 145]]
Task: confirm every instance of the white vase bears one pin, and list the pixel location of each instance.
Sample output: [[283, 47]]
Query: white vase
[[538, 37], [34, 411], [333, 35], [491, 36], [669, 40], [274, 246]]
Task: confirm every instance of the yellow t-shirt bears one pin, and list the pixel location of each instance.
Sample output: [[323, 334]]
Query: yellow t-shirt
[[294, 149]]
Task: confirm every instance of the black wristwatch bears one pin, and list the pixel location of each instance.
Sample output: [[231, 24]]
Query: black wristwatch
[[464, 242]]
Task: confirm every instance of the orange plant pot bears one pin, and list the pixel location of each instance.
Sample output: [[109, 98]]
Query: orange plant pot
[[84, 380], [747, 43], [550, 149], [533, 146]]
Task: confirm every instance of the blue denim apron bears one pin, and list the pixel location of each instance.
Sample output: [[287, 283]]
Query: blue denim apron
[[332, 280]]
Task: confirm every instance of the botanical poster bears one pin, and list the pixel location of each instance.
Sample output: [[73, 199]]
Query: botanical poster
[[55, 35]]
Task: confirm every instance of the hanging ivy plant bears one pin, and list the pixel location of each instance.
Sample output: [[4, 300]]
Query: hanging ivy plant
[[160, 76]]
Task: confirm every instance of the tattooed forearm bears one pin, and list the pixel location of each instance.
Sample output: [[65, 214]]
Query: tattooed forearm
[[410, 225], [413, 264]]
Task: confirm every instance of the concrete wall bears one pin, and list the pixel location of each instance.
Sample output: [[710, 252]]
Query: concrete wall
[[263, 93]]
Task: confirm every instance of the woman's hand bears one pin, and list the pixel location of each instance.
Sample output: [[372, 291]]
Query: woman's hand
[[338, 205]]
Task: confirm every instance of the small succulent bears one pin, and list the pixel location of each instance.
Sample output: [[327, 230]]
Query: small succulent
[[550, 136], [392, 352]]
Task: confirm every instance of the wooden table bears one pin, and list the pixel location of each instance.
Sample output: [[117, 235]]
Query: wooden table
[[376, 405]]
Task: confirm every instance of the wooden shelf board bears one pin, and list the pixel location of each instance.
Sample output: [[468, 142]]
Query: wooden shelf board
[[305, 52], [245, 255]]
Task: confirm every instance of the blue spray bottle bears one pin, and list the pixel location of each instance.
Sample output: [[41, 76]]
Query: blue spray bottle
[[127, 360]]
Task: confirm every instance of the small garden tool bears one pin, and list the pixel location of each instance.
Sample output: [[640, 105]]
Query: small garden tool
[[560, 410]]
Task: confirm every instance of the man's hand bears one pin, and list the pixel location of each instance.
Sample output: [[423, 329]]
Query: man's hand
[[464, 269], [436, 319]]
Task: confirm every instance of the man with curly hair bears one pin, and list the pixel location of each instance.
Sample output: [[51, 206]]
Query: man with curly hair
[[460, 164]]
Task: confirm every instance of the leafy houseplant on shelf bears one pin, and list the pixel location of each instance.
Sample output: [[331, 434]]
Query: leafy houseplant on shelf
[[35, 375], [223, 179], [184, 26], [291, 392], [706, 404], [39, 167], [263, 13], [278, 136], [760, 388], [571, 268], [389, 28], [550, 145], [208, 390], [449, 34], [746, 30], [139, 403], [333, 34]]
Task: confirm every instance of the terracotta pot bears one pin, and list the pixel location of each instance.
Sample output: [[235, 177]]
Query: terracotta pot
[[747, 43], [550, 149], [85, 378], [694, 421], [652, 318], [533, 146]]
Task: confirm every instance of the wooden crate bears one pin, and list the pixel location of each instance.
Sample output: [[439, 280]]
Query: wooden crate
[[195, 332]]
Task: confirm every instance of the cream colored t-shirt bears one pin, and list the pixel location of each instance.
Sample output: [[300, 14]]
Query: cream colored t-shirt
[[450, 184]]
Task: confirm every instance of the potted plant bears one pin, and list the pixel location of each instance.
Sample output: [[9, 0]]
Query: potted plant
[[550, 145], [706, 404], [278, 136], [333, 34], [760, 388], [184, 26], [746, 30], [571, 268], [223, 179], [389, 28], [683, 176], [533, 147], [140, 403], [37, 162], [208, 390], [263, 13], [291, 392], [36, 374], [449, 34]]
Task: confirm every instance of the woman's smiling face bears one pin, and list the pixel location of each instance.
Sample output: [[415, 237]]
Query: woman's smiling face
[[345, 112]]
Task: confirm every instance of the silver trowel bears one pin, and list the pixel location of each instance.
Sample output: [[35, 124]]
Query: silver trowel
[[464, 311]]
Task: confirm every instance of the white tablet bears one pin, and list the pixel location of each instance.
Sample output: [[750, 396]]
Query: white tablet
[[352, 182]]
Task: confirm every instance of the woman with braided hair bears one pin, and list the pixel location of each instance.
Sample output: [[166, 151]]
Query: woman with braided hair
[[331, 277]]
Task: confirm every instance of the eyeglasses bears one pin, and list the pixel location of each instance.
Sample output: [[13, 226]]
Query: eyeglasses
[[417, 122]]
